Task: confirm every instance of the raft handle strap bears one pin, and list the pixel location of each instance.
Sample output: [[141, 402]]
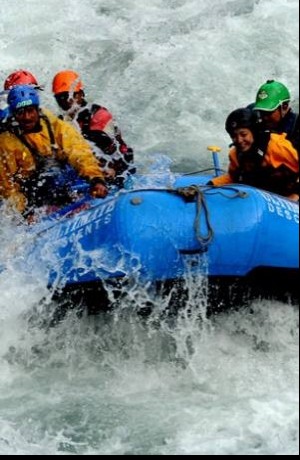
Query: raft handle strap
[[194, 192]]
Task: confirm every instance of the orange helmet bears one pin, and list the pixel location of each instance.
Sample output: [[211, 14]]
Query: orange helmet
[[66, 81], [20, 77]]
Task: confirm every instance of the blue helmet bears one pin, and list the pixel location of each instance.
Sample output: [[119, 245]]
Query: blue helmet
[[22, 96], [4, 108]]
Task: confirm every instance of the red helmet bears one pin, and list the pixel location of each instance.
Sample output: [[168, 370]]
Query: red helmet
[[20, 77], [66, 81]]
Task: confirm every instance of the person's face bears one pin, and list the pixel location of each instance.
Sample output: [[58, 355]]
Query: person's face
[[28, 118], [271, 119], [243, 139], [66, 100]]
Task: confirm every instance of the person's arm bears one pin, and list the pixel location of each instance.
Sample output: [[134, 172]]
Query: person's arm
[[9, 188], [280, 151], [113, 154], [79, 154], [221, 180], [227, 178], [294, 197], [103, 122], [283, 158]]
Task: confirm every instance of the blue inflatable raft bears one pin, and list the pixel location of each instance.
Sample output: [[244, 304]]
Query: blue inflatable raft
[[168, 233]]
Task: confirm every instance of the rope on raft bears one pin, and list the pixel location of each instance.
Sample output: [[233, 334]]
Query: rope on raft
[[194, 192]]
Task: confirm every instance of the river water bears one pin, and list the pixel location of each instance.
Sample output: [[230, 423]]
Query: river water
[[170, 71]]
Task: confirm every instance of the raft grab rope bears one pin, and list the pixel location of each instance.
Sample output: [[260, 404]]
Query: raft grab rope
[[195, 192]]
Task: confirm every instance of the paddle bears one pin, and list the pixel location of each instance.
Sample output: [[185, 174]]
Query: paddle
[[215, 150]]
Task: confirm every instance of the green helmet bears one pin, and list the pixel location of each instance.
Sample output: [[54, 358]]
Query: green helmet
[[271, 95]]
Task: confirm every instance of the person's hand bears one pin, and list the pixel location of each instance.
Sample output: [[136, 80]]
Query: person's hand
[[31, 219], [99, 190], [294, 197], [109, 173]]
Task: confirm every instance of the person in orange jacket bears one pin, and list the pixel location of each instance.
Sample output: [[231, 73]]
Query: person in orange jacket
[[36, 148], [260, 158], [96, 124]]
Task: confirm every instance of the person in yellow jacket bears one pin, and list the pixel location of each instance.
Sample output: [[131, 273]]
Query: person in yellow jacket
[[36, 147], [260, 158]]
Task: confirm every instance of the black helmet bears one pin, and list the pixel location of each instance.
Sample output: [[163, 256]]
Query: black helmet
[[242, 118]]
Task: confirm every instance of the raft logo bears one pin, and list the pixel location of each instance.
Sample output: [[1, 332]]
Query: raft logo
[[24, 104], [283, 208], [83, 224], [262, 95]]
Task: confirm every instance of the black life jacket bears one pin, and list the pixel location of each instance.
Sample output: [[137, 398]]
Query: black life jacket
[[117, 155], [290, 125], [84, 117]]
